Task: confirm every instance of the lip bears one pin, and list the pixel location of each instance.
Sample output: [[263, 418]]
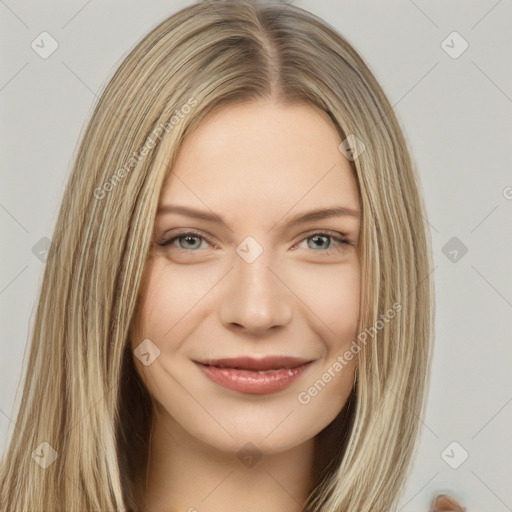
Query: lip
[[255, 376]]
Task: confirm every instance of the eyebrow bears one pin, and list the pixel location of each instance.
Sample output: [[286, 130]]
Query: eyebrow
[[312, 215]]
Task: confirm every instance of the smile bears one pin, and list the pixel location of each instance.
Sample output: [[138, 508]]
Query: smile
[[255, 376]]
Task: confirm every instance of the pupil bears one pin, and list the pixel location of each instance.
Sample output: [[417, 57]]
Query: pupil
[[317, 237], [189, 238]]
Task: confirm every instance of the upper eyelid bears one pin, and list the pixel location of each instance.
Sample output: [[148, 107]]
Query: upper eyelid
[[165, 238]]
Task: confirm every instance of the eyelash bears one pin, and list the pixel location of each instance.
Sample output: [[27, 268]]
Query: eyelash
[[338, 237]]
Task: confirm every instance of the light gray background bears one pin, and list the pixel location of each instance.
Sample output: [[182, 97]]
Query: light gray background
[[457, 115]]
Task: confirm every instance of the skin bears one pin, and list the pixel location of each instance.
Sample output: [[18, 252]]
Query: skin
[[255, 165], [445, 502]]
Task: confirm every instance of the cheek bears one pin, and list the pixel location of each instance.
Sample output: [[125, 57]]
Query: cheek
[[343, 309], [332, 294], [168, 298]]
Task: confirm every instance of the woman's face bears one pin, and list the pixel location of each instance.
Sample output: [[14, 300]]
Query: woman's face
[[246, 308]]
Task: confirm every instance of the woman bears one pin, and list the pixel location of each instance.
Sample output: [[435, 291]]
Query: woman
[[237, 306]]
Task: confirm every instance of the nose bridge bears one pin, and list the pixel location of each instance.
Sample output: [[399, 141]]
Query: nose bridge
[[255, 277], [256, 298]]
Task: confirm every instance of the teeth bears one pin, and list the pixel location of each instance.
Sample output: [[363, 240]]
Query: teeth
[[290, 371]]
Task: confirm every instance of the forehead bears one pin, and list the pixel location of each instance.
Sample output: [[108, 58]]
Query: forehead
[[262, 157]]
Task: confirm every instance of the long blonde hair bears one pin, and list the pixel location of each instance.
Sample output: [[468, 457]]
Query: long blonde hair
[[81, 394]]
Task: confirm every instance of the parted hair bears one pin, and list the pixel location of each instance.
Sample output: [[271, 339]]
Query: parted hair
[[80, 392]]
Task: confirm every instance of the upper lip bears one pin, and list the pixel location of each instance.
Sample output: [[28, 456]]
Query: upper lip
[[257, 364]]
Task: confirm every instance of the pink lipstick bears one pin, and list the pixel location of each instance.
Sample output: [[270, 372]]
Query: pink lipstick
[[255, 376]]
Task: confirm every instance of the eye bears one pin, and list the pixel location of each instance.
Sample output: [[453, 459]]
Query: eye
[[322, 241], [187, 241]]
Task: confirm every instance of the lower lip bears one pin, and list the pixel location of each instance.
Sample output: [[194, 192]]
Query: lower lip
[[253, 382]]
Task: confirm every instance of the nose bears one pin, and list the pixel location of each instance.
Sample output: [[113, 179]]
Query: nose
[[256, 298]]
